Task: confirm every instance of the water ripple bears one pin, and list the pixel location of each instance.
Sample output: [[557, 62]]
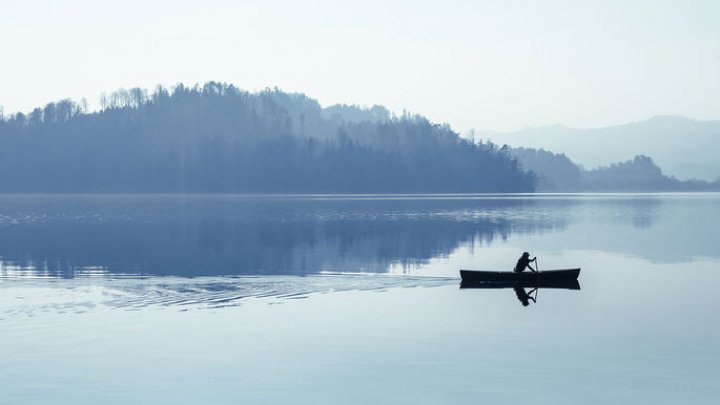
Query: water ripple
[[29, 297]]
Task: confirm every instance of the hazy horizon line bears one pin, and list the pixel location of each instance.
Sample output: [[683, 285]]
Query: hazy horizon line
[[95, 107]]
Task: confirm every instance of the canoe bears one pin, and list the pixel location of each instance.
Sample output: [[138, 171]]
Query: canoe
[[559, 284], [528, 278]]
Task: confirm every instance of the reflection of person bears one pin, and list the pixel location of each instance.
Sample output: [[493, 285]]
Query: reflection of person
[[523, 296], [524, 262]]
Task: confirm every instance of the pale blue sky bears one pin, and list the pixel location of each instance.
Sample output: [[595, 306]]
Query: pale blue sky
[[497, 65]]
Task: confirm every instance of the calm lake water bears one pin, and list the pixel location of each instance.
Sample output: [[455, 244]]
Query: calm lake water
[[355, 299]]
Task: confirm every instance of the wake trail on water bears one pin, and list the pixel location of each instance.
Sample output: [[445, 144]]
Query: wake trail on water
[[33, 296]]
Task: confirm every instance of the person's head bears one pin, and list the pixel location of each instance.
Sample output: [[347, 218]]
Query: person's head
[[526, 254]]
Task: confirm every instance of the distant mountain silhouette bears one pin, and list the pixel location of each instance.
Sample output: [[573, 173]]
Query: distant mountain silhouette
[[554, 171], [557, 173], [682, 147], [217, 138]]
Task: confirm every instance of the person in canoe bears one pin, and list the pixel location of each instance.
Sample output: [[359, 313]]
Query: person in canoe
[[524, 262]]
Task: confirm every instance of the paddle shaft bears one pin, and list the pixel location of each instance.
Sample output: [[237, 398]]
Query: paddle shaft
[[537, 267]]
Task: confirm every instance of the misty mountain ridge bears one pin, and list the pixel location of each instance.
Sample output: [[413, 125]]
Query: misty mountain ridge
[[555, 172], [218, 138], [684, 148]]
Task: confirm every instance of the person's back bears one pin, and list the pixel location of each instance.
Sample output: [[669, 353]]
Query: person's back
[[523, 263]]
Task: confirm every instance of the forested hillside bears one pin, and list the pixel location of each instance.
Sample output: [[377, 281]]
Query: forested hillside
[[218, 138], [684, 148], [557, 173]]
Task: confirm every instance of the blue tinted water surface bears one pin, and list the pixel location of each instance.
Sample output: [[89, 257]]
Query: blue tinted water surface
[[354, 299]]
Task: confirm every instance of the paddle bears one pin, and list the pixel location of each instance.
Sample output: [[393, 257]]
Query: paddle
[[537, 278]]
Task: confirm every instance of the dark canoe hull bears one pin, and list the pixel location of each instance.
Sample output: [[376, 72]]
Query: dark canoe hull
[[560, 284], [546, 278]]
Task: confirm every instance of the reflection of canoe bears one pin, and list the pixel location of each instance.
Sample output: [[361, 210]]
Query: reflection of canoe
[[566, 284], [529, 278]]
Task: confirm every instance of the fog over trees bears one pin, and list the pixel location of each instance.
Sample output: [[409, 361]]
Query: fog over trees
[[557, 173], [218, 138], [684, 148]]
